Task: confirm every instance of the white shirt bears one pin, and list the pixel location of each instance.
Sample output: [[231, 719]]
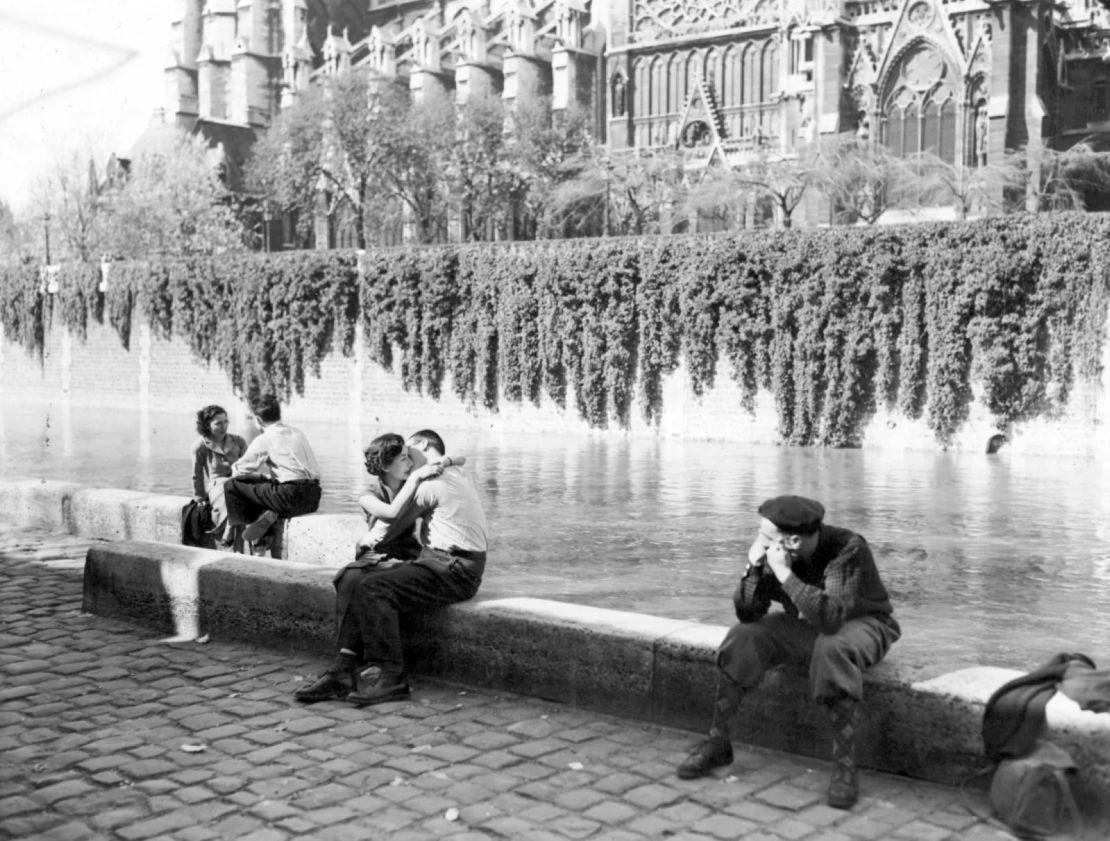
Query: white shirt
[[284, 450], [452, 512]]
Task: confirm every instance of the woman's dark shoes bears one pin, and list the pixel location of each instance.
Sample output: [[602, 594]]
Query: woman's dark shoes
[[710, 754], [330, 686], [376, 686]]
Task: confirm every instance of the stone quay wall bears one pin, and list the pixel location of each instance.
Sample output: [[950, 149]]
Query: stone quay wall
[[163, 375]]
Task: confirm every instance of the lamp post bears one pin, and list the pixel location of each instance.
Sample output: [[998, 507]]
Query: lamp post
[[267, 218], [46, 234]]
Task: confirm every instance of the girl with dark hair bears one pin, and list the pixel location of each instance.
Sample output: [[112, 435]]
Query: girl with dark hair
[[213, 456]]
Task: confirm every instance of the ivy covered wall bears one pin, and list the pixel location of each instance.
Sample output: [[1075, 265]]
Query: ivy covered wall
[[834, 323]]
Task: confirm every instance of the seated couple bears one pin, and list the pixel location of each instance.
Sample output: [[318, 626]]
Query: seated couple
[[249, 488], [401, 568]]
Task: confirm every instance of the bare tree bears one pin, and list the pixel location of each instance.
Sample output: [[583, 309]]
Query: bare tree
[[1071, 179], [858, 177], [780, 180], [929, 181], [618, 193]]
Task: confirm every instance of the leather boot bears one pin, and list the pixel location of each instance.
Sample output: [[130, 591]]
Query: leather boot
[[715, 750], [844, 786]]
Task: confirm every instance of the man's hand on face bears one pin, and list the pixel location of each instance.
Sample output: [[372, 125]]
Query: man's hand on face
[[757, 554], [778, 559]]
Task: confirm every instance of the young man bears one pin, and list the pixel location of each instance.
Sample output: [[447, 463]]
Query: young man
[[449, 569], [277, 476], [836, 618]]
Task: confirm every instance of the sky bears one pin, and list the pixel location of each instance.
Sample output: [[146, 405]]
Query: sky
[[75, 76]]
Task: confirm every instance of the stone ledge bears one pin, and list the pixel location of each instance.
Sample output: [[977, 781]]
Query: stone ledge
[[114, 514], [655, 669], [644, 667]]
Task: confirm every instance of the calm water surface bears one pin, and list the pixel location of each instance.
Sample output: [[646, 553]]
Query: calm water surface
[[999, 560]]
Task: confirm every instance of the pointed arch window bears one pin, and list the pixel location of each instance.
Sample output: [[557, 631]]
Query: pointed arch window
[[730, 78], [769, 75], [658, 89], [751, 75], [711, 70], [919, 110], [674, 83], [640, 88]]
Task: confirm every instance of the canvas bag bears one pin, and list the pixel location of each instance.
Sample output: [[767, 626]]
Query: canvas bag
[[1032, 793]]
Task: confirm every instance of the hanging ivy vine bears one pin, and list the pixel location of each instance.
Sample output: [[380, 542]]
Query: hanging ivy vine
[[834, 323]]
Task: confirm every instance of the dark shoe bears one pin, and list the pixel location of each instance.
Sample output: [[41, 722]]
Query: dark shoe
[[843, 787], [260, 548], [260, 526], [330, 686], [376, 686], [710, 754]]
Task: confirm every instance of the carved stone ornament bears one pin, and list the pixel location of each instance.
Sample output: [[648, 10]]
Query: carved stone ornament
[[920, 14], [667, 18], [696, 133], [922, 68]]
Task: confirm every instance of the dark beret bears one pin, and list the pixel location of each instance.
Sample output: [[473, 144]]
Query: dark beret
[[793, 514]]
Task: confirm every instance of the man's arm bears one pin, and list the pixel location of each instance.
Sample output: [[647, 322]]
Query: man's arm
[[383, 510], [253, 460], [829, 608], [754, 593]]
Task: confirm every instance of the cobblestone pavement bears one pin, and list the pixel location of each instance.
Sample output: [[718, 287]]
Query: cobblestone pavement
[[107, 731]]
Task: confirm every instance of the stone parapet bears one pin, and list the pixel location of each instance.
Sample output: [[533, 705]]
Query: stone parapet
[[643, 667]]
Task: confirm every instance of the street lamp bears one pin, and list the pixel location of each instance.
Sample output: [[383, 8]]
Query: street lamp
[[46, 234], [267, 218]]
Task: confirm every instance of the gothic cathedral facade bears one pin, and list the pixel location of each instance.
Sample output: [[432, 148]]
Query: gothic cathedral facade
[[717, 79]]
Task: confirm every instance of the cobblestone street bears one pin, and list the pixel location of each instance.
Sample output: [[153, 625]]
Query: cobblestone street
[[106, 731]]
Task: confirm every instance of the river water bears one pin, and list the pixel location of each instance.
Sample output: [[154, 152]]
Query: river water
[[990, 559]]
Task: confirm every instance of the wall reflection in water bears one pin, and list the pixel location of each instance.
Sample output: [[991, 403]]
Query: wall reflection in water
[[1000, 559]]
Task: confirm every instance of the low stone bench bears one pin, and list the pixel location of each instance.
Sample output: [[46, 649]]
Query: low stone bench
[[114, 514], [643, 667]]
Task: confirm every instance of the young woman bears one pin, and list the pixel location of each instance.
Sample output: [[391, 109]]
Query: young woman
[[213, 456], [392, 487]]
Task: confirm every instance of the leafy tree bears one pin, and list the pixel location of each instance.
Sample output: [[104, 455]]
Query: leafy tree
[[416, 150], [544, 150], [359, 142], [171, 203], [479, 171], [329, 144]]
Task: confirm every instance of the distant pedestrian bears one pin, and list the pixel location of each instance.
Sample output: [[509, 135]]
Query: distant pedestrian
[[276, 477], [837, 620]]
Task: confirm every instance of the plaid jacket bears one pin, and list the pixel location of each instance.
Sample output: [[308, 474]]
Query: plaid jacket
[[839, 582]]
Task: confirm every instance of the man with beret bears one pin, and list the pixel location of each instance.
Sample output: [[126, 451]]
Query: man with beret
[[836, 619]]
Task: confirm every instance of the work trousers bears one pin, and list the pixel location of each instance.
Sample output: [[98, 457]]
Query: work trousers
[[247, 497], [434, 579], [836, 662]]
